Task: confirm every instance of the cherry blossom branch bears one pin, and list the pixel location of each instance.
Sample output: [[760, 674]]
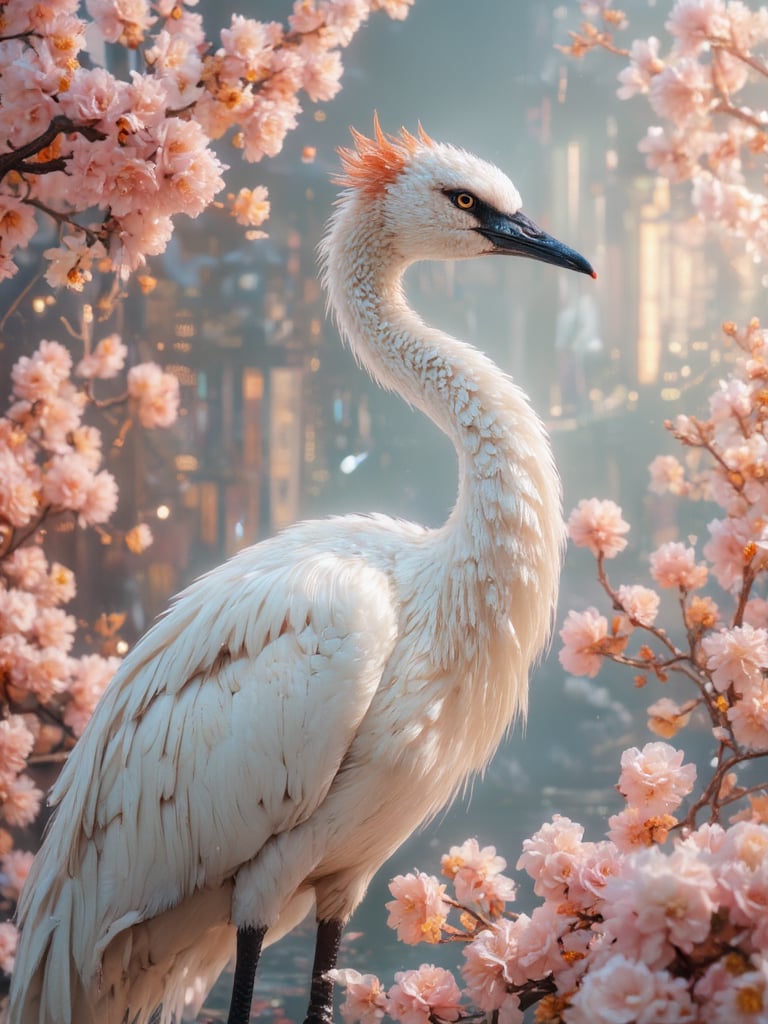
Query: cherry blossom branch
[[709, 795], [590, 38], [91, 236], [750, 59], [17, 159], [16, 538]]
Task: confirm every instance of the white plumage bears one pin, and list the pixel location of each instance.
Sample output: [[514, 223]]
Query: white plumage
[[300, 710]]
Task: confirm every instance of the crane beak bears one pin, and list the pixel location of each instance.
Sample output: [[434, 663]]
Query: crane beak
[[517, 235]]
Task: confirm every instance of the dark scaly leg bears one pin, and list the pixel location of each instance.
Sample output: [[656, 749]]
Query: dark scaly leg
[[320, 1010], [249, 942]]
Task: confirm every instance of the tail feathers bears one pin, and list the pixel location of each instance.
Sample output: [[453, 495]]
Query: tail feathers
[[151, 972], [46, 986], [170, 961]]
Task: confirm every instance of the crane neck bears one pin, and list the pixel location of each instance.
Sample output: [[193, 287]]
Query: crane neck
[[507, 517]]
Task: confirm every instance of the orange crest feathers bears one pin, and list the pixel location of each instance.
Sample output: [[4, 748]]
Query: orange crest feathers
[[375, 163]]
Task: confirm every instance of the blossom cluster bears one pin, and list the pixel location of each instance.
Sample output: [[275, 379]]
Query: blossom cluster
[[112, 161], [710, 134], [51, 461], [628, 929], [725, 650]]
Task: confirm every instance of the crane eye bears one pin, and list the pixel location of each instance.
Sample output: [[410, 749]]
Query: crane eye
[[464, 200]]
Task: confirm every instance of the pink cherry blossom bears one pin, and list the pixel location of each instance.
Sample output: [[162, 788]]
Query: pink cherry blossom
[[59, 586], [61, 39], [667, 475], [632, 829], [16, 743], [306, 17], [593, 865], [90, 676], [139, 235], [640, 603], [42, 671], [19, 495], [397, 9], [157, 394], [749, 718], [17, 610], [674, 565], [625, 991], [742, 998], [670, 154], [549, 856], [37, 377], [68, 482], [747, 28], [598, 525], [477, 875], [422, 994], [736, 657], [741, 870], [22, 802], [94, 94], [681, 91], [17, 223], [725, 549], [666, 717], [582, 634], [322, 70], [122, 21], [491, 963], [15, 868], [247, 48], [644, 63], [59, 417], [539, 941], [364, 998], [658, 902], [694, 22], [266, 127], [139, 538], [26, 566], [174, 59], [54, 628], [106, 360], [70, 263], [732, 400], [654, 779], [250, 207], [189, 171], [419, 909], [342, 20], [101, 500], [707, 838], [86, 442], [8, 940]]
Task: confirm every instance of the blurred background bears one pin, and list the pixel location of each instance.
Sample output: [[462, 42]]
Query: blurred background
[[279, 424]]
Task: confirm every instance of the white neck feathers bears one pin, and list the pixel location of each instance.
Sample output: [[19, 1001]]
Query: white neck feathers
[[507, 519]]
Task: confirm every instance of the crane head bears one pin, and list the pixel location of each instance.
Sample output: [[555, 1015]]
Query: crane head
[[440, 202]]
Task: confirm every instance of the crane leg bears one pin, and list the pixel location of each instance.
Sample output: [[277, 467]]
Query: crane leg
[[320, 1010], [249, 942]]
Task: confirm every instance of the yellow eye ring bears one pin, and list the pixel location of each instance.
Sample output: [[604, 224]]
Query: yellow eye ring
[[465, 201]]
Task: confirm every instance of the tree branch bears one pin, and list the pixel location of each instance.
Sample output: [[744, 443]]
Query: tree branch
[[17, 159]]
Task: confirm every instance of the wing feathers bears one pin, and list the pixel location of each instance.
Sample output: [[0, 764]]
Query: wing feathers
[[224, 726]]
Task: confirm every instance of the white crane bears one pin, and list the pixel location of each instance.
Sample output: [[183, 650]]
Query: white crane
[[301, 709]]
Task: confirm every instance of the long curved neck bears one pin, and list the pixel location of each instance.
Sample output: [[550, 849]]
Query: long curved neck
[[507, 520]]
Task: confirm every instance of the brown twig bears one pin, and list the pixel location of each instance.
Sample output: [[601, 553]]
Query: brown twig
[[17, 159]]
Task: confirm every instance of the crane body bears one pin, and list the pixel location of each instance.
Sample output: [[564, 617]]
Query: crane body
[[303, 708]]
